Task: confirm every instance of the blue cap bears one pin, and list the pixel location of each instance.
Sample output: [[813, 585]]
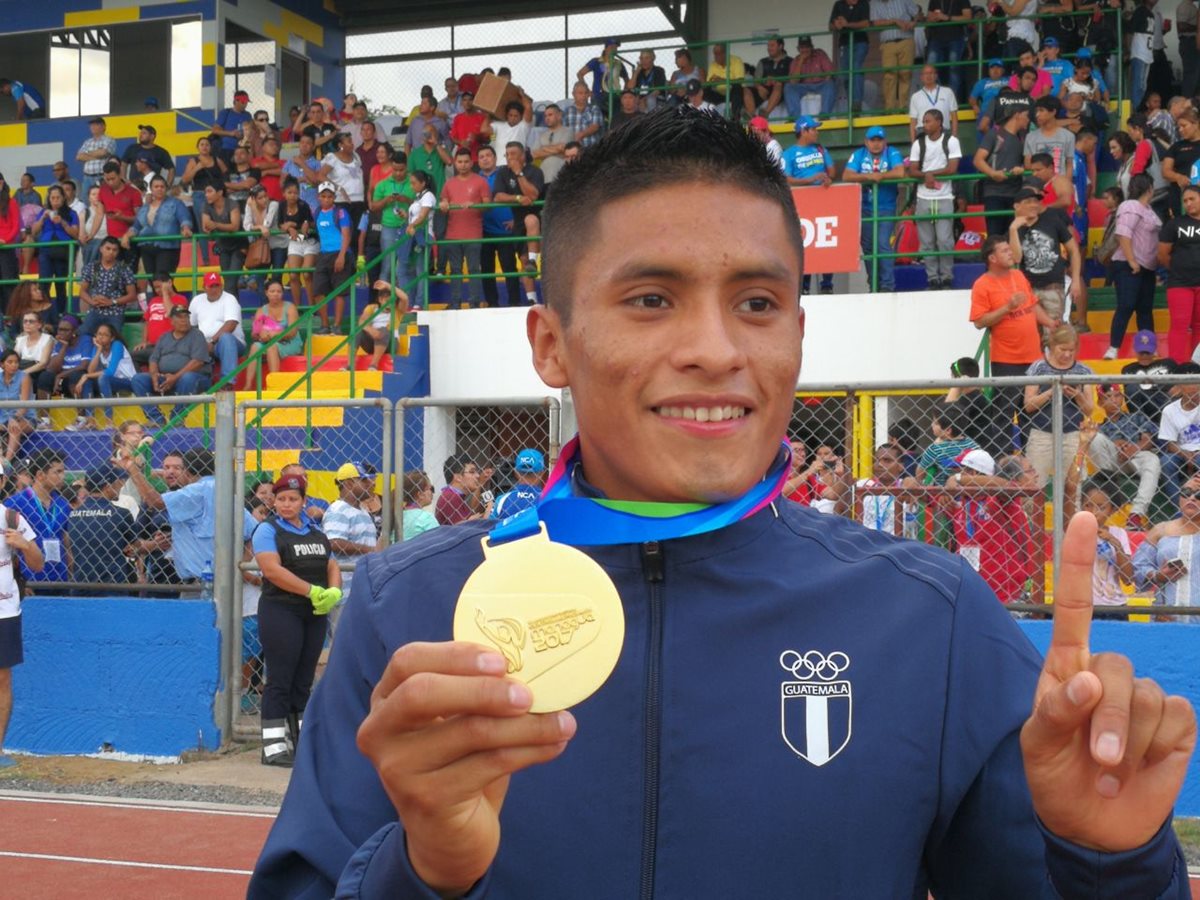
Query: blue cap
[[104, 474], [530, 461], [805, 122], [996, 62], [150, 101], [1050, 42], [1083, 53], [876, 131]]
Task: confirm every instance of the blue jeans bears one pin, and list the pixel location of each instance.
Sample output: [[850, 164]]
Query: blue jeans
[[1173, 467], [950, 51], [52, 263], [887, 265], [226, 353], [188, 383], [1135, 295], [793, 93], [107, 385], [861, 47], [1138, 73], [397, 261]]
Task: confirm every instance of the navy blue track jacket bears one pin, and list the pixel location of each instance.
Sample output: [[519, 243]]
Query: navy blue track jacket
[[802, 708]]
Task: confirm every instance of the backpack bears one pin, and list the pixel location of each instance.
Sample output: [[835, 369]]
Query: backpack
[[11, 521]]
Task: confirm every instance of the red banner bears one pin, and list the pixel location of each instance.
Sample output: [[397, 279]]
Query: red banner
[[831, 219]]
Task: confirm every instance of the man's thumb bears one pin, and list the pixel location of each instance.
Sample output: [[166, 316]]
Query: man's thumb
[[1060, 712]]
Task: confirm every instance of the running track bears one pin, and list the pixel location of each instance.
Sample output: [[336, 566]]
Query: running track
[[55, 847], [58, 848]]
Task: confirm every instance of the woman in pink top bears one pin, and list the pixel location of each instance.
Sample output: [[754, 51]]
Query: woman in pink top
[[1135, 261]]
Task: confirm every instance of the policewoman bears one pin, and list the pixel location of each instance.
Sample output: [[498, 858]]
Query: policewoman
[[301, 584]]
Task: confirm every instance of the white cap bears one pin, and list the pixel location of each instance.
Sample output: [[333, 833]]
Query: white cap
[[977, 461], [327, 186]]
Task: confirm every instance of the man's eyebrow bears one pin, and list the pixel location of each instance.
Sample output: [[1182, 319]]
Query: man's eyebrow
[[634, 271]]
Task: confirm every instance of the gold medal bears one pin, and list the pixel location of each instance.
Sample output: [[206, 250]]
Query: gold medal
[[552, 612]]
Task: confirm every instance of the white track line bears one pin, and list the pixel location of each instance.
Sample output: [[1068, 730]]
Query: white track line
[[116, 804], [125, 863]]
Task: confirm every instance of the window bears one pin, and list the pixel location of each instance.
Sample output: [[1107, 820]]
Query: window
[[80, 72], [186, 64]]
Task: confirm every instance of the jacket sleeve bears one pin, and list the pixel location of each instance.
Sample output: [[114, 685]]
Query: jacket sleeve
[[337, 834], [986, 832]]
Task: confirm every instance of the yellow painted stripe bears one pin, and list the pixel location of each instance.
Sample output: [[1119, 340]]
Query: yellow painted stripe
[[102, 16], [208, 53], [306, 28], [15, 135], [127, 126], [277, 33]]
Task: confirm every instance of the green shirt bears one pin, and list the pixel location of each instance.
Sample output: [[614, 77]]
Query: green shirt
[[395, 215], [429, 162]]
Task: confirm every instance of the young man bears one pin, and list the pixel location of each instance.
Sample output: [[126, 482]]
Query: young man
[[431, 157], [46, 510], [873, 165], [21, 545], [766, 94], [391, 200], [1148, 399], [761, 129], [464, 190], [1037, 237], [935, 153], [462, 480], [30, 104], [550, 143], [106, 288], [121, 201], [318, 127], [1001, 158], [161, 162], [1057, 68], [654, 326], [517, 125], [335, 260], [807, 163], [530, 467], [1050, 137], [228, 126]]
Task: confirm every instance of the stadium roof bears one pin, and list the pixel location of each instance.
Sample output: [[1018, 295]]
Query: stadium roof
[[688, 17]]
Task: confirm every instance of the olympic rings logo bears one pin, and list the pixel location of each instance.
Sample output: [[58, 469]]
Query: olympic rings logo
[[814, 664]]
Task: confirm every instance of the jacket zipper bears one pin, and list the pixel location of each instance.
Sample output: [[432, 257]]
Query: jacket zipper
[[652, 569]]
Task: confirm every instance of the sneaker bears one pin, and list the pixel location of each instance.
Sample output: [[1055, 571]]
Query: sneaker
[[6, 761], [827, 289], [1136, 522], [1110, 353], [283, 758], [44, 425]]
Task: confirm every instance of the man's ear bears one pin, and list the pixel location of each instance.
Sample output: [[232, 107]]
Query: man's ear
[[547, 340]]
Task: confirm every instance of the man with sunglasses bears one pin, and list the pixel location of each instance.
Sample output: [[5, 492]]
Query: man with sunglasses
[[873, 165]]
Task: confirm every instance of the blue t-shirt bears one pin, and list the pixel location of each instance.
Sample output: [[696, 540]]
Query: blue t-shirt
[[805, 162], [49, 525], [308, 192], [32, 97], [521, 497], [264, 535], [494, 219], [985, 92], [55, 231], [1059, 70], [330, 223], [231, 120], [79, 355], [864, 161]]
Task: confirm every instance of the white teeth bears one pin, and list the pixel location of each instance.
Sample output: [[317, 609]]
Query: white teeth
[[689, 413], [702, 413]]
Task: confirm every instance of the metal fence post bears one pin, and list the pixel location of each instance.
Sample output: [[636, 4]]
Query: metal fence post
[[402, 407], [393, 471], [1057, 485], [228, 518]]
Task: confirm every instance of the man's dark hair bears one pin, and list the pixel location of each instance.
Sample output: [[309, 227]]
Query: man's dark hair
[[950, 420], [199, 462], [553, 106], [965, 367], [112, 166], [1023, 69], [669, 146], [455, 465], [1138, 121], [1051, 104], [902, 432], [937, 114], [573, 145], [5, 82], [989, 246], [400, 157], [515, 104], [45, 459], [462, 151], [514, 144], [1084, 133], [1044, 159], [110, 240]]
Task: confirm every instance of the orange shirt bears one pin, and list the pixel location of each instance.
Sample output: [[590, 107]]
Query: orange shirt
[[1015, 338]]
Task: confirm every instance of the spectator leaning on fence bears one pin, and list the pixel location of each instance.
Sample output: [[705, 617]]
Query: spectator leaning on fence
[[806, 163], [934, 154], [348, 526], [101, 530], [1169, 558], [46, 510], [1124, 444], [874, 165], [20, 542]]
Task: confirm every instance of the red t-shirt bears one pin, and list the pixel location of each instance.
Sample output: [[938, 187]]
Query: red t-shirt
[[465, 224], [273, 183], [465, 130], [124, 202], [451, 507], [993, 534], [158, 317]]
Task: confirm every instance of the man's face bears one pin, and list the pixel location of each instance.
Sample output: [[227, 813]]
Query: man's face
[[571, 154], [553, 117], [213, 292], [514, 158], [1028, 80], [1002, 255], [145, 138], [1043, 117], [1110, 401], [888, 468], [239, 104], [487, 159], [579, 94], [469, 477], [512, 116], [628, 103], [1191, 204], [932, 125], [306, 146], [108, 252], [172, 471], [241, 157], [54, 477], [270, 148], [462, 163], [427, 106], [451, 88], [1051, 52], [929, 76], [399, 170], [718, 52], [316, 112], [181, 325], [775, 47], [326, 199], [69, 191], [683, 347], [646, 59], [96, 129], [112, 179], [1042, 172], [368, 131], [360, 114], [1029, 207], [803, 51], [60, 172], [1027, 59]]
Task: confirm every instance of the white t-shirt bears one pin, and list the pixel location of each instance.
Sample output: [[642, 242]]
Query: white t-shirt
[[428, 201], [936, 158], [209, 315], [879, 510], [347, 176], [1020, 26], [923, 101], [10, 602], [503, 133], [1180, 426], [32, 351]]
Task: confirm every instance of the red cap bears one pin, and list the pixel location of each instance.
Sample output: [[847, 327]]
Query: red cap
[[241, 95], [297, 483], [212, 279], [758, 122]]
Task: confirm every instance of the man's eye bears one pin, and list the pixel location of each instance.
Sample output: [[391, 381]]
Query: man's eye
[[650, 301], [758, 304]]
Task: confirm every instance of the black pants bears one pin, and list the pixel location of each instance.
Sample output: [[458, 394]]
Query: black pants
[[160, 259], [292, 636], [997, 226], [1010, 400], [506, 255], [9, 271]]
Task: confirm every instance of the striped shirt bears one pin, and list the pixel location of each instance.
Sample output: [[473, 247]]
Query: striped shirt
[[91, 145], [577, 119], [903, 10], [933, 460]]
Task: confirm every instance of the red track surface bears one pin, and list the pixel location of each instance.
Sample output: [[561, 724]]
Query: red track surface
[[94, 849]]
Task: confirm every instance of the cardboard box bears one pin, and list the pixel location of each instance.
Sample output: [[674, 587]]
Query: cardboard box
[[495, 93]]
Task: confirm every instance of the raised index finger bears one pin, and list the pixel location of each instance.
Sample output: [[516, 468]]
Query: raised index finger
[[1069, 651]]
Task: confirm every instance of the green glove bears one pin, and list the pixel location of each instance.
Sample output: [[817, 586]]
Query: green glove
[[314, 594], [326, 600], [361, 265]]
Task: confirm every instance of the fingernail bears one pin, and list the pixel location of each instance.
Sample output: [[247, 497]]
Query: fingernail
[[491, 663], [1076, 692], [566, 723], [519, 695], [1108, 785], [1108, 748]]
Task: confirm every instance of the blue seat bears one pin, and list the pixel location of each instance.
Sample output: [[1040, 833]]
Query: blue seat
[[965, 274], [911, 278]]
